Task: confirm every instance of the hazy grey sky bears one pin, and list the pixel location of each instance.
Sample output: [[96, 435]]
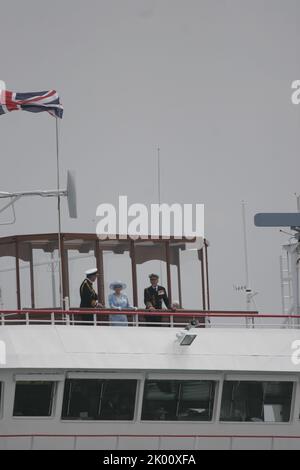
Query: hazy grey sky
[[207, 80]]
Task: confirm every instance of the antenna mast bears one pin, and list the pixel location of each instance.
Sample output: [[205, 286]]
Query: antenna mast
[[245, 244], [246, 288], [159, 199], [158, 177]]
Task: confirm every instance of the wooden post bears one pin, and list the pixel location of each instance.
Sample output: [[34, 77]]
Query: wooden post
[[64, 269], [18, 274], [207, 278], [169, 277], [201, 257], [31, 277], [100, 267], [179, 279], [134, 274]]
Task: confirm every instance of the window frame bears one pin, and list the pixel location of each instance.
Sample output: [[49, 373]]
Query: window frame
[[181, 378], [102, 377], [53, 399], [259, 378]]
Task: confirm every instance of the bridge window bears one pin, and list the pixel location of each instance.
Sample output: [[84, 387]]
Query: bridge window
[[90, 399], [256, 401], [33, 398], [177, 400]]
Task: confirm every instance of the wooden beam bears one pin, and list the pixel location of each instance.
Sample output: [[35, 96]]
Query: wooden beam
[[207, 278], [31, 268], [18, 274], [179, 279], [100, 267], [201, 258], [134, 274], [64, 269], [169, 277]]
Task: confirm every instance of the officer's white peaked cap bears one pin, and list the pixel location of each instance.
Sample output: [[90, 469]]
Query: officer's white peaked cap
[[90, 272]]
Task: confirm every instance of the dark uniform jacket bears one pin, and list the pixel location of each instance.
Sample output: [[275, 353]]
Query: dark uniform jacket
[[89, 297], [156, 297]]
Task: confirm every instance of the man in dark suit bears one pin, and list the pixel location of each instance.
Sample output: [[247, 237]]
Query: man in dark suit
[[89, 297], [154, 296]]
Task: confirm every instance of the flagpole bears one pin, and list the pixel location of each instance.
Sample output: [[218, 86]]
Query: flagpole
[[59, 217], [159, 200]]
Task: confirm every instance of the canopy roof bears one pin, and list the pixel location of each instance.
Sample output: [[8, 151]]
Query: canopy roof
[[141, 250], [146, 249]]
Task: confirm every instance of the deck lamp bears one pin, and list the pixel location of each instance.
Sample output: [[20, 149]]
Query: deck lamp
[[185, 338]]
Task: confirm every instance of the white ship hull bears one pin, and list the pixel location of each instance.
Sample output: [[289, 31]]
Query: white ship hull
[[60, 353]]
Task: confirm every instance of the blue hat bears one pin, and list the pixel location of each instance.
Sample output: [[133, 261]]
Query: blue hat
[[116, 284]]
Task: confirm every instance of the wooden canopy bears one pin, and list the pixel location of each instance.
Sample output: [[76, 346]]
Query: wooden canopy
[[21, 247]]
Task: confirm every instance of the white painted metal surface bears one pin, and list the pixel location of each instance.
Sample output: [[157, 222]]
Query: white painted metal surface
[[59, 352], [117, 348]]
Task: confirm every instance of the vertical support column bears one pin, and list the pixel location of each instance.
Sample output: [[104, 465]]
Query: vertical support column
[[31, 277], [201, 258], [167, 247], [100, 267], [207, 278], [18, 274], [134, 274], [64, 269], [179, 278]]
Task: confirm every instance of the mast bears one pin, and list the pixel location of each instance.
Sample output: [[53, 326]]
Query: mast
[[159, 201], [292, 250]]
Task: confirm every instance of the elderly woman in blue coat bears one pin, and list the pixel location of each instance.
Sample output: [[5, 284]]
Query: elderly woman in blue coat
[[118, 301]]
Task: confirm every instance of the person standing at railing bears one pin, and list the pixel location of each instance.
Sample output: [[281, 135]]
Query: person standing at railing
[[88, 295], [154, 296], [118, 301]]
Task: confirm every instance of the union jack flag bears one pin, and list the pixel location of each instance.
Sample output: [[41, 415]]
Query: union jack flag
[[33, 102]]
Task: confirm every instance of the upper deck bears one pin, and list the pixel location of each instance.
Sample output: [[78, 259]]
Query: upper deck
[[222, 341]]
